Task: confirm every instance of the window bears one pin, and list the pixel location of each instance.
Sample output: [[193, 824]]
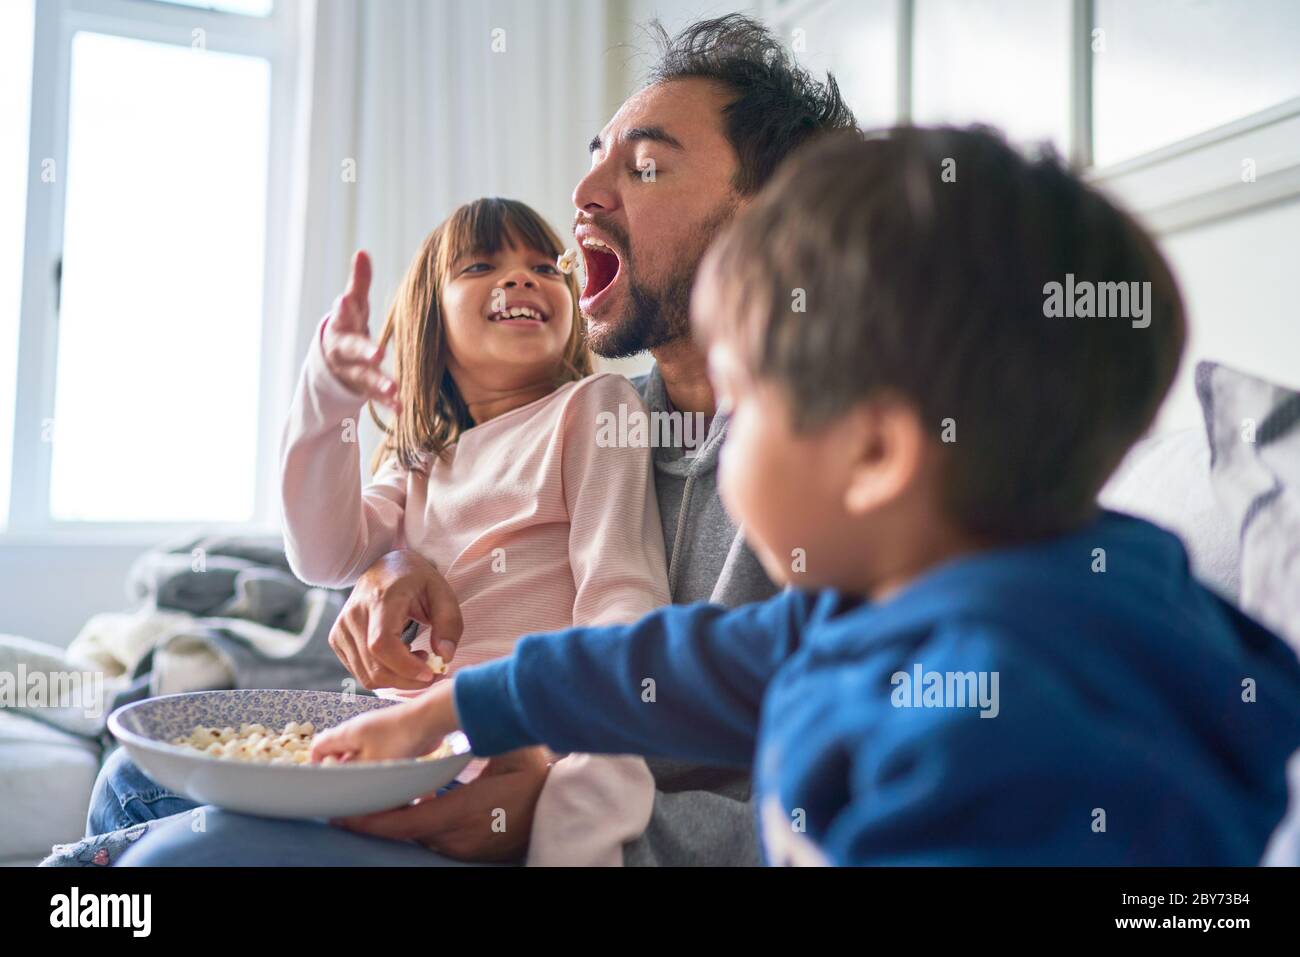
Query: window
[[165, 215], [1001, 62], [252, 8], [859, 44], [16, 18], [1165, 70], [1174, 105], [152, 237]]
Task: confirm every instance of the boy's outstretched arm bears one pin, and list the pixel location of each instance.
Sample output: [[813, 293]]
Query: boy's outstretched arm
[[684, 682]]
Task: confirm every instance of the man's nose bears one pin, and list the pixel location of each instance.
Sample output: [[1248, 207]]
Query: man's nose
[[595, 192]]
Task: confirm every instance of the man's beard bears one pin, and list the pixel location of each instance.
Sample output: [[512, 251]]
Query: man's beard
[[656, 317]]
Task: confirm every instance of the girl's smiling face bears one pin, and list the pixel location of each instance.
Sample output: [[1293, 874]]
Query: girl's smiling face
[[508, 316]]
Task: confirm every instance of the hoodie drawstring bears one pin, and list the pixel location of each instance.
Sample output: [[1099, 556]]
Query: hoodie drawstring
[[674, 563]]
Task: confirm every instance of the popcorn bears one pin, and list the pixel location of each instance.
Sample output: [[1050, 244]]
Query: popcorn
[[444, 750], [568, 261], [291, 745], [253, 742]]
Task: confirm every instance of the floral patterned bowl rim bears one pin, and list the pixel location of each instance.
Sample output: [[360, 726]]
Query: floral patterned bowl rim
[[154, 722]]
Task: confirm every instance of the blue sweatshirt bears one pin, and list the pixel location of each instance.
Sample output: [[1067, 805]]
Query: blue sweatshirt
[[1019, 706]]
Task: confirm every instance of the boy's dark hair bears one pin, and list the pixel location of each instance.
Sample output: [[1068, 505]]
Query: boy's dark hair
[[924, 258], [778, 106]]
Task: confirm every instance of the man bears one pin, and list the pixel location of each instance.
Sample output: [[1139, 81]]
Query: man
[[725, 104]]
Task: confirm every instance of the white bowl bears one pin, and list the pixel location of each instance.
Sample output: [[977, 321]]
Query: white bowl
[[147, 727]]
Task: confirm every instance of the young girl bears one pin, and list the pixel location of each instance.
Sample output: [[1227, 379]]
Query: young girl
[[489, 468]]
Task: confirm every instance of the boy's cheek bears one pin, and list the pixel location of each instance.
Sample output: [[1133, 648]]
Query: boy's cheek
[[749, 501], [740, 467], [777, 568], [747, 509]]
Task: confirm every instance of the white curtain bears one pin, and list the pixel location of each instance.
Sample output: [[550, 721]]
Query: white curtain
[[432, 103]]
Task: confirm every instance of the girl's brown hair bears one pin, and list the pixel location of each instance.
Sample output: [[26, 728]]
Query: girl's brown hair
[[433, 412]]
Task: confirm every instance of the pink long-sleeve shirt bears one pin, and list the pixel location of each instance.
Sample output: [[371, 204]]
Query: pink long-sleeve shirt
[[533, 524]]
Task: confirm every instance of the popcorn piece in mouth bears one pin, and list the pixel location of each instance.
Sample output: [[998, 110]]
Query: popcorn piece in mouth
[[568, 261]]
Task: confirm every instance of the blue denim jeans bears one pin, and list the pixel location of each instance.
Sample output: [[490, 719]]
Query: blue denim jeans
[[124, 796]]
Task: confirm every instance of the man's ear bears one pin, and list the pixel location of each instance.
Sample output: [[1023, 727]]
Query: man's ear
[[890, 454]]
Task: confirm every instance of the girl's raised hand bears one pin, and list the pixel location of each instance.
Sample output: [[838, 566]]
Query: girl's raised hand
[[350, 354]]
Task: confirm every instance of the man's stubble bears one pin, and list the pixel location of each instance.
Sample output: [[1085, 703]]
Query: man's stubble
[[656, 317]]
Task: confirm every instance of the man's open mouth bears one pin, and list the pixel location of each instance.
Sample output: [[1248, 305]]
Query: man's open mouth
[[602, 267]]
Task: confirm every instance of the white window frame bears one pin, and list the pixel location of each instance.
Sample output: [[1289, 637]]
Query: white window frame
[[56, 22], [1179, 186]]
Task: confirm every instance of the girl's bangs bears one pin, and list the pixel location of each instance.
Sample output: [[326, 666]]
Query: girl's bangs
[[488, 225]]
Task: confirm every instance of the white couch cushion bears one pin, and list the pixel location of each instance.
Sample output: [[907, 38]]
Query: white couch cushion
[[1254, 431], [46, 776], [1166, 480]]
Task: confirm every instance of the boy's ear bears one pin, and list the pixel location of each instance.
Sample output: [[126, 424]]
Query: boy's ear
[[891, 446]]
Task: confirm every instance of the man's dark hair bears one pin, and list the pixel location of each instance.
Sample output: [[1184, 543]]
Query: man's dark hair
[[923, 261], [778, 106]]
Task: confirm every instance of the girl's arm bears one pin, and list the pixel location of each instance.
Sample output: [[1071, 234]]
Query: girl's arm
[[334, 530], [616, 546], [592, 804]]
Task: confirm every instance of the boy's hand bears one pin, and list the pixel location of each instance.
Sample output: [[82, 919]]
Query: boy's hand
[[349, 353], [406, 730]]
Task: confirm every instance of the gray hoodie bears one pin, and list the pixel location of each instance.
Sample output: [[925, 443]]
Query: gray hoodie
[[701, 815]]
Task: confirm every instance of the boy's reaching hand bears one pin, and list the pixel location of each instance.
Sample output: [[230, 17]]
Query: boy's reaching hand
[[407, 730]]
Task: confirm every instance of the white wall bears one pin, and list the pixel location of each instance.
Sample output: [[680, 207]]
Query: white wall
[[676, 14], [48, 591], [1238, 277]]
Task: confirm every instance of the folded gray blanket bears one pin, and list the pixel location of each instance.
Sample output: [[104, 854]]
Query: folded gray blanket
[[249, 613]]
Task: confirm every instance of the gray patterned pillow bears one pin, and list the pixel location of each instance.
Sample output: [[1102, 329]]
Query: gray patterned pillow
[[1254, 432]]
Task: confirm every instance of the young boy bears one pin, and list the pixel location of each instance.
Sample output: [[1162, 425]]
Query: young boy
[[990, 670]]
